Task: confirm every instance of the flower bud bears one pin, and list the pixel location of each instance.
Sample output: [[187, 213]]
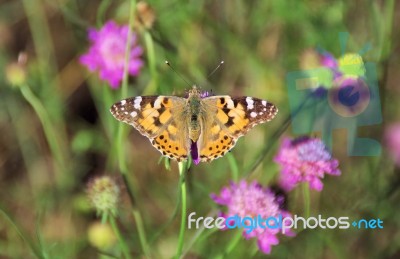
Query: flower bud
[[103, 193], [101, 235], [145, 14]]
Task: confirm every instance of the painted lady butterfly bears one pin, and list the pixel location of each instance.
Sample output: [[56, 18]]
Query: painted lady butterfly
[[205, 127]]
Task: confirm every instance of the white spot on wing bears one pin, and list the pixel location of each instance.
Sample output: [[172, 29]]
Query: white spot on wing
[[137, 102], [123, 102], [253, 114], [264, 103], [133, 114], [230, 104], [157, 103], [250, 103]]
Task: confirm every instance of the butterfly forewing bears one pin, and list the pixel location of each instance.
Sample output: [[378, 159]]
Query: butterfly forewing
[[160, 118], [230, 119]]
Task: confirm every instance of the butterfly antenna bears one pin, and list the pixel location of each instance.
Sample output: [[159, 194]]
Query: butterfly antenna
[[215, 69], [167, 62]]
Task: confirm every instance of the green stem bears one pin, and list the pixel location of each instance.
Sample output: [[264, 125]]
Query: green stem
[[383, 27], [132, 10], [182, 170], [197, 237], [388, 27], [166, 224], [234, 167], [306, 197], [200, 234], [151, 57], [124, 91], [46, 63], [142, 233], [121, 240], [103, 100], [123, 168], [49, 131], [44, 48], [70, 11], [47, 67], [104, 5], [26, 146], [268, 148], [24, 237], [233, 243]]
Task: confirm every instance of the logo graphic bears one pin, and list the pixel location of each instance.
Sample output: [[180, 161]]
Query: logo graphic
[[349, 99], [279, 222]]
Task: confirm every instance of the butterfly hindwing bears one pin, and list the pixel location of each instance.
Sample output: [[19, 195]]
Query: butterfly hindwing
[[229, 119], [172, 144], [159, 118], [216, 145]]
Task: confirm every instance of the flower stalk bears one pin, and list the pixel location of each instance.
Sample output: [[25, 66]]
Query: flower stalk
[[49, 131], [121, 240], [182, 171]]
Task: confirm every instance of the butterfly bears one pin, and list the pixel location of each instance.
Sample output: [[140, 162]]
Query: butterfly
[[206, 127]]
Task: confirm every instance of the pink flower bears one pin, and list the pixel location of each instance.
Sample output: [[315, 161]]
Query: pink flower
[[107, 53], [305, 160], [252, 200], [392, 140]]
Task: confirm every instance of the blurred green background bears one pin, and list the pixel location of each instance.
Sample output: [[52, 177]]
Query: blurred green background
[[46, 163]]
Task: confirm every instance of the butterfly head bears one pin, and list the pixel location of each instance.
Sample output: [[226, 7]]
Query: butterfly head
[[195, 92]]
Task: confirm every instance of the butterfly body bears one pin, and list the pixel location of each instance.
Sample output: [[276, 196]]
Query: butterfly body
[[204, 126], [196, 112]]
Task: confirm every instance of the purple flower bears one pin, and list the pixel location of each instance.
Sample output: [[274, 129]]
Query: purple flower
[[252, 200], [305, 160], [107, 53], [392, 140]]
